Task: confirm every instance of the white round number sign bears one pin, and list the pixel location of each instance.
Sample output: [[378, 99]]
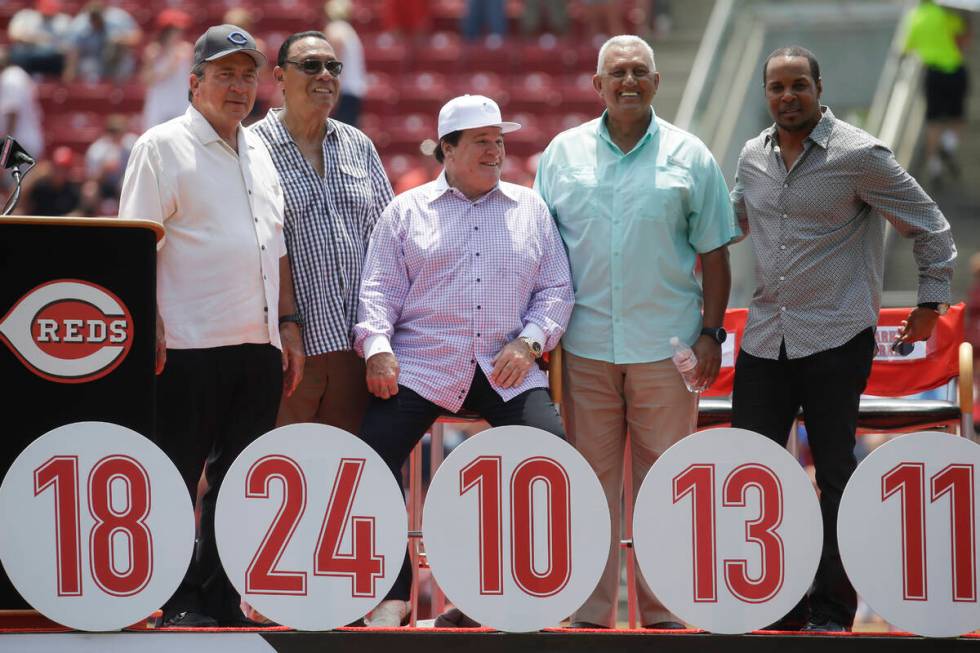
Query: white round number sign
[[311, 526], [727, 530], [907, 530], [104, 528], [516, 528]]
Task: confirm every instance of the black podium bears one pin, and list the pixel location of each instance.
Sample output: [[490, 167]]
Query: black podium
[[77, 332]]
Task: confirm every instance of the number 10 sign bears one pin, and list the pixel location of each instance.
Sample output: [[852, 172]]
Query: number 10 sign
[[516, 528]]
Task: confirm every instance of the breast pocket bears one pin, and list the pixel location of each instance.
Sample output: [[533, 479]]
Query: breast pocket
[[579, 195], [661, 193]]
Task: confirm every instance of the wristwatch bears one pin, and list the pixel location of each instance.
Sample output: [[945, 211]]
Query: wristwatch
[[533, 345], [295, 318], [939, 307], [718, 334]]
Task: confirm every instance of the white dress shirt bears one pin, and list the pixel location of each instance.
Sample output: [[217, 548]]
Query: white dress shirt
[[218, 266]]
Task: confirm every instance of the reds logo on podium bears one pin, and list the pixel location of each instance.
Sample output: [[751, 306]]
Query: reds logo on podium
[[69, 331]]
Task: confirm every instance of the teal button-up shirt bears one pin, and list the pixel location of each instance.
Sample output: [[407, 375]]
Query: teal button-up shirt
[[633, 224]]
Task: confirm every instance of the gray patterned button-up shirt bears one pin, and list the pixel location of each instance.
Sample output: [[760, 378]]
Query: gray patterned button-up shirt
[[818, 234], [328, 223]]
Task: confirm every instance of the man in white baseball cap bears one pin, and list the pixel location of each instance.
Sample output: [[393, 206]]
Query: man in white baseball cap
[[464, 286]]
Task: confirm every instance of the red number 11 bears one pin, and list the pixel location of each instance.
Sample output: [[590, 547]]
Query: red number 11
[[907, 480]]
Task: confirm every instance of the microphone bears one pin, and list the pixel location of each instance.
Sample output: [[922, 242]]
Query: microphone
[[13, 155]]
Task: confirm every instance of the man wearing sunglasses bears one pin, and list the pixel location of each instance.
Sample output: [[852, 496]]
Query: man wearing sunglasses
[[225, 348], [335, 188]]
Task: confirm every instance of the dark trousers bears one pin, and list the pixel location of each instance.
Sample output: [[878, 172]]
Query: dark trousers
[[828, 387], [393, 427], [211, 404]]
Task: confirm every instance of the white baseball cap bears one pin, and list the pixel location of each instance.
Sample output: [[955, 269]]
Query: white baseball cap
[[470, 112]]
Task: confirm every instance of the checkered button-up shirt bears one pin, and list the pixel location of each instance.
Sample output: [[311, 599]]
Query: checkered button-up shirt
[[450, 281], [818, 234], [328, 224]]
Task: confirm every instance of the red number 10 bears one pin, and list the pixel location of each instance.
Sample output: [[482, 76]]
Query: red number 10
[[907, 480], [61, 474], [698, 481], [484, 475]]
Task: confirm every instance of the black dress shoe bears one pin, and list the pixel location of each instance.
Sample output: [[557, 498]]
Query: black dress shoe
[[586, 625], [825, 626], [454, 618], [666, 625], [245, 622], [189, 619]]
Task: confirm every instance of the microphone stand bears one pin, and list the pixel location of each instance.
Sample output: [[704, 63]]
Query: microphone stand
[[15, 195]]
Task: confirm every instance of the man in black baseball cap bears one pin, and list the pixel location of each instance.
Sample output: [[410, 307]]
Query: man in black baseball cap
[[228, 339]]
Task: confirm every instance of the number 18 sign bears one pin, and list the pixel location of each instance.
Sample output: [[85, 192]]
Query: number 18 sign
[[98, 528], [907, 530]]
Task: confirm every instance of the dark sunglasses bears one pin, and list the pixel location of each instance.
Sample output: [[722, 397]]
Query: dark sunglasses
[[315, 66]]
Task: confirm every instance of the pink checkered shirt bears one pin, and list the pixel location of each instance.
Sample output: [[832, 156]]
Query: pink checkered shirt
[[450, 281]]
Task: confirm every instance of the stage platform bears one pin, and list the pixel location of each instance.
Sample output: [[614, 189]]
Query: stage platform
[[403, 640]]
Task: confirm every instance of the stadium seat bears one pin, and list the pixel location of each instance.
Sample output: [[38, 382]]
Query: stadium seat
[[535, 93], [423, 92], [441, 53]]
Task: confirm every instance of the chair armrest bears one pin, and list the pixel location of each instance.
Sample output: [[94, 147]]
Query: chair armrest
[[555, 360], [965, 383]]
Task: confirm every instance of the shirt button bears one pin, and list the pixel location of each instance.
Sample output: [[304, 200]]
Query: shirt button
[[249, 191], [785, 216], [782, 247], [477, 335], [265, 308], [263, 247], [476, 228], [615, 253], [785, 185], [478, 279], [265, 276], [782, 278], [478, 253], [478, 307], [256, 220], [472, 361], [782, 308]]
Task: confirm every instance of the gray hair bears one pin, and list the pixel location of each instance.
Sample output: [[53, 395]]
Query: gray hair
[[197, 71], [624, 41]]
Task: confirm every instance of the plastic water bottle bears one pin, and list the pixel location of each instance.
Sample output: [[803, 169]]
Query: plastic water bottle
[[686, 363]]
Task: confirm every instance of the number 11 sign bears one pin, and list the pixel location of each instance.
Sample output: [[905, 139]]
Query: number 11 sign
[[907, 529]]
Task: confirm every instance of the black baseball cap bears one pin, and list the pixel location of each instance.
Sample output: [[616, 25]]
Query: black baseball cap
[[222, 40]]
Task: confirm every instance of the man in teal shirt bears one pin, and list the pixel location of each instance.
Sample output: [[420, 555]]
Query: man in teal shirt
[[636, 200]]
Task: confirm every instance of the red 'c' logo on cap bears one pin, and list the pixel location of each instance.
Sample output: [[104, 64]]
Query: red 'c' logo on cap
[[69, 331]]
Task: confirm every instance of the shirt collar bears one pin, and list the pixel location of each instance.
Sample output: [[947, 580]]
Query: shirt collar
[[281, 135], [603, 130], [441, 186], [205, 133], [820, 134]]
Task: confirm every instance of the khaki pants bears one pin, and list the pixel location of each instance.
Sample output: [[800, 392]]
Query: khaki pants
[[603, 401], [333, 392]]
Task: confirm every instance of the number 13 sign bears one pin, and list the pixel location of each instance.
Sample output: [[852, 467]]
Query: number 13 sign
[[98, 526], [907, 529], [727, 530]]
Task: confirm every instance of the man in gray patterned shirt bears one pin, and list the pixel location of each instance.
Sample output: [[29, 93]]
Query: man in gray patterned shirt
[[335, 188], [813, 193]]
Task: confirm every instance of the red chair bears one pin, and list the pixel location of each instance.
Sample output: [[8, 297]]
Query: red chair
[[943, 362]]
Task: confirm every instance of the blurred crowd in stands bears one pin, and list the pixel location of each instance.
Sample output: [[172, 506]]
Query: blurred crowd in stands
[[80, 81]]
